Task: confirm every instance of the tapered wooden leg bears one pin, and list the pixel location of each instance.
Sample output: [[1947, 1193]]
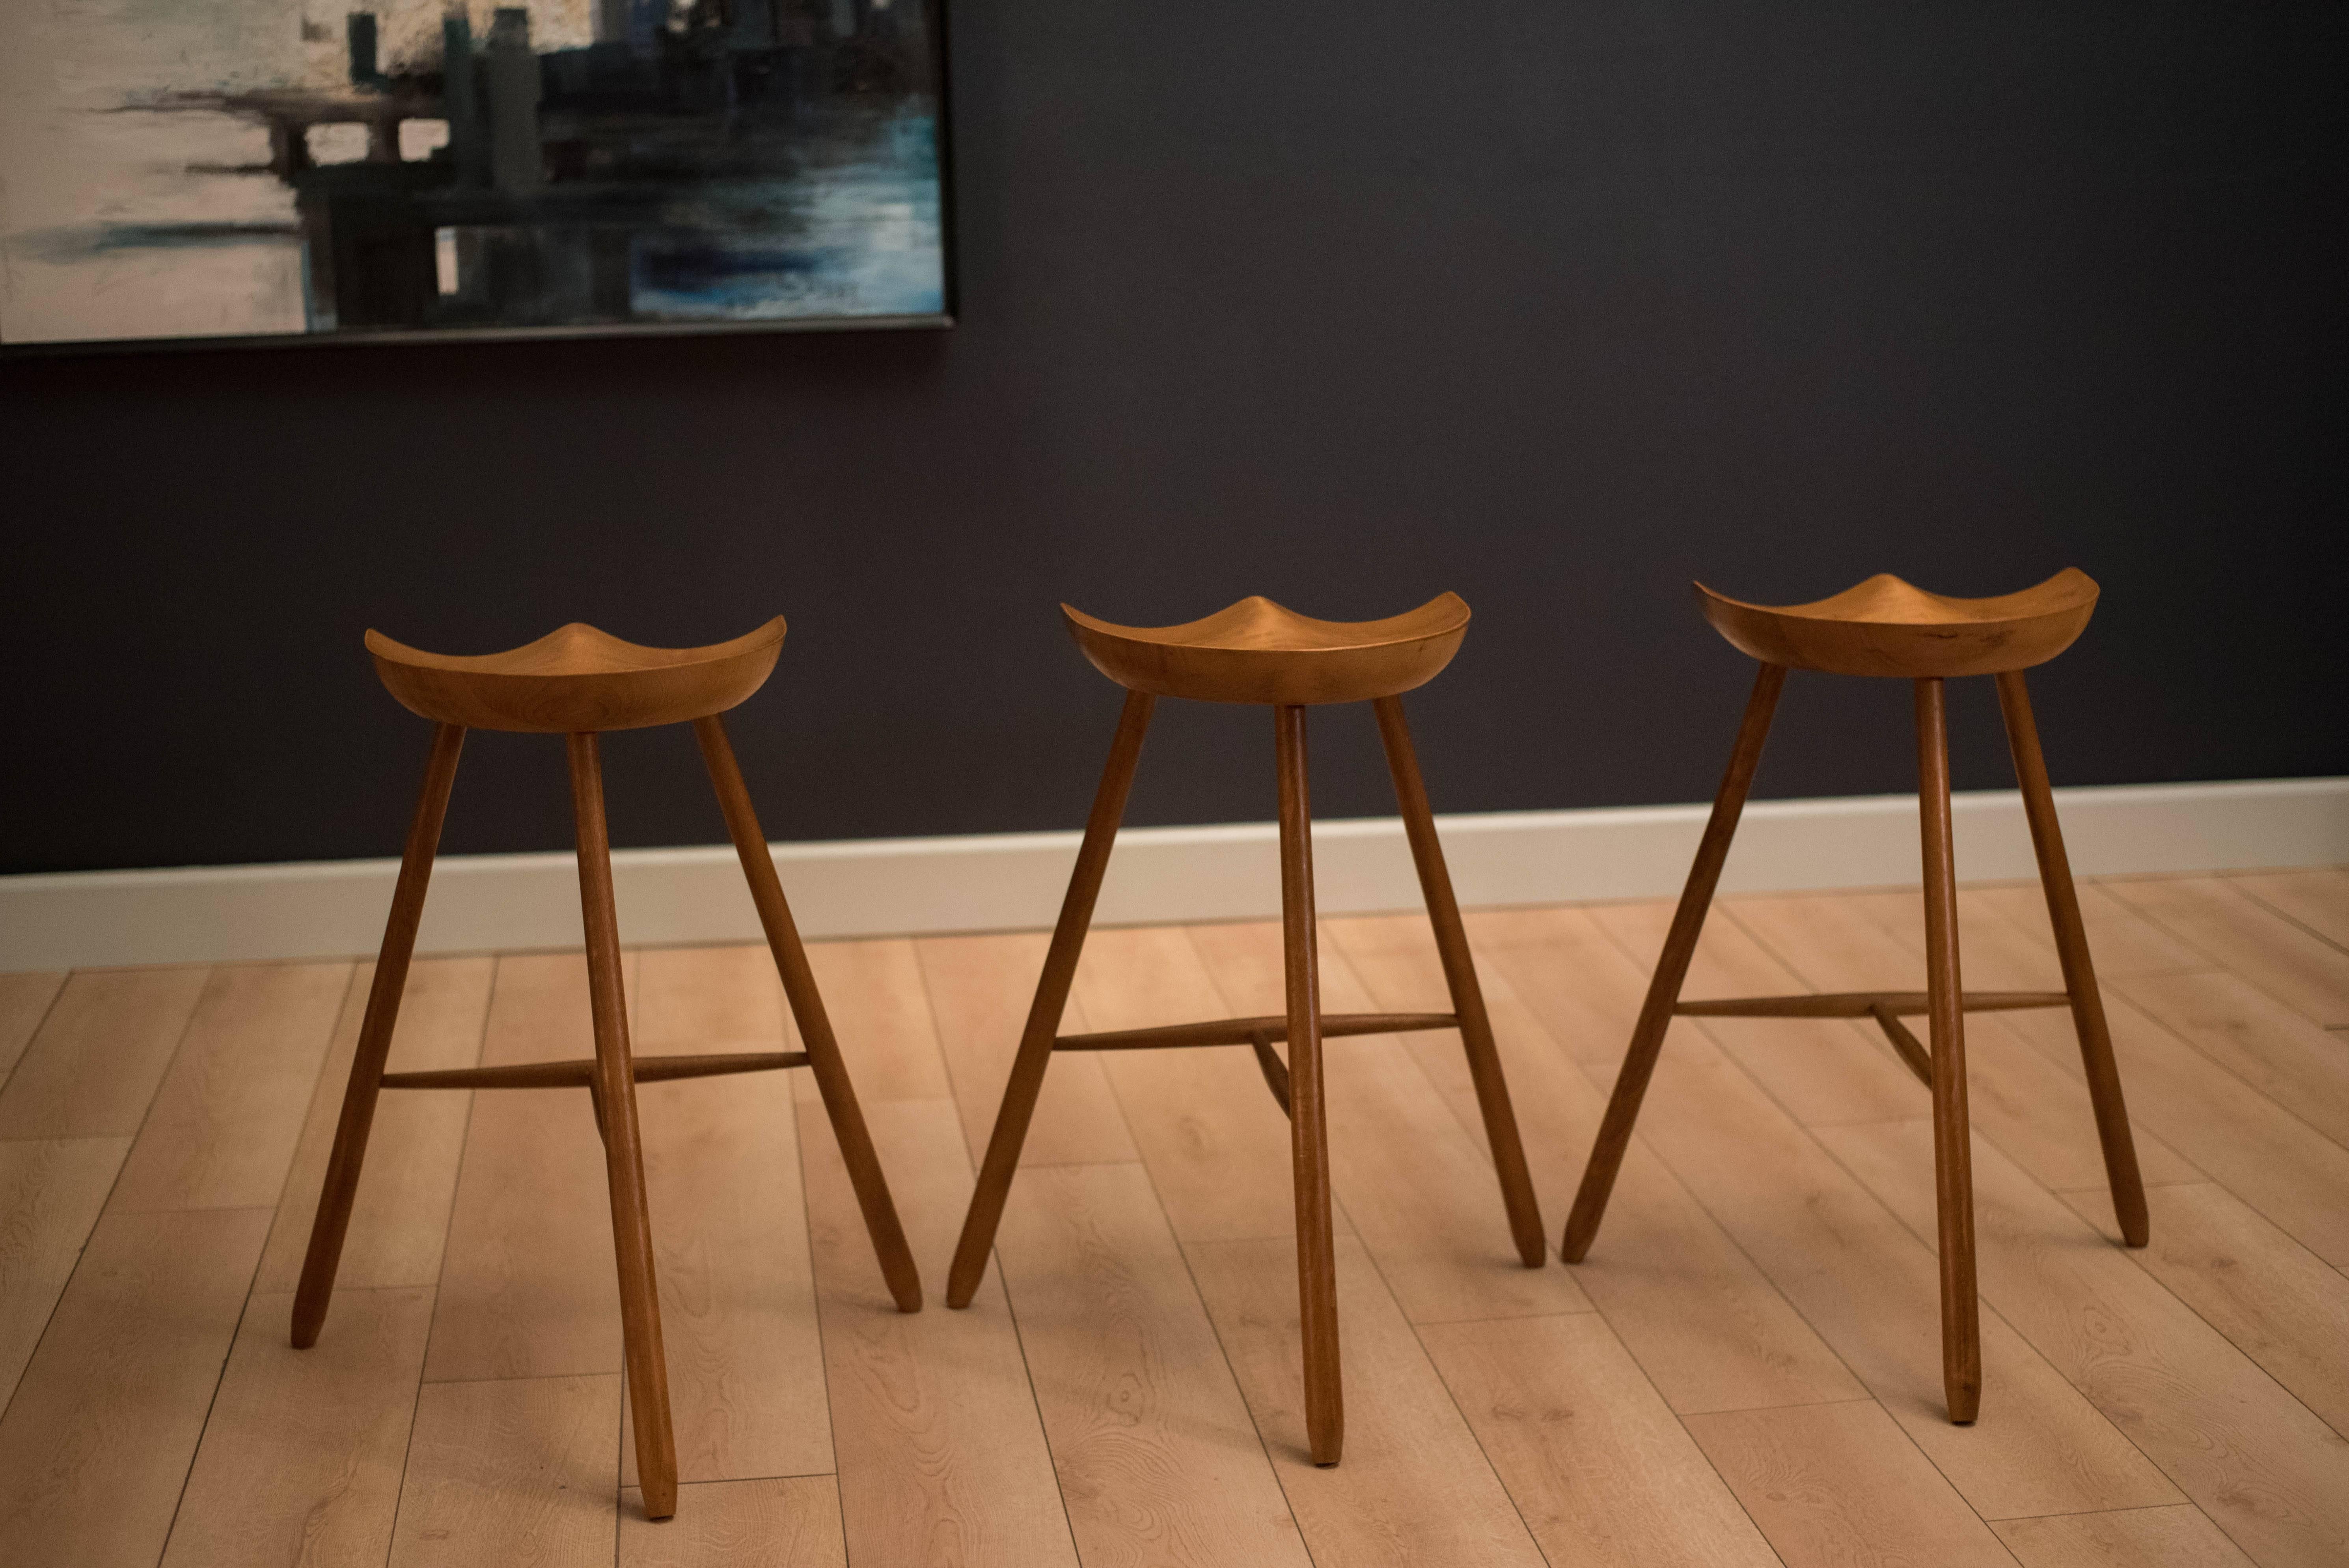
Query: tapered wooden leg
[[1953, 1187], [615, 1090], [1672, 968], [1467, 995], [1309, 1138], [2079, 970], [815, 1025], [1002, 1158], [342, 1185]]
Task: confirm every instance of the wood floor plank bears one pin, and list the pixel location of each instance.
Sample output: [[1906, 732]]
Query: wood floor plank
[[737, 1289], [302, 1455], [1419, 1190], [788, 1521], [97, 1443], [225, 1121], [942, 1453], [1414, 1488], [729, 1228], [2122, 941], [2275, 1300], [528, 1286], [2263, 1153], [51, 1192], [1601, 1471], [399, 1219], [879, 1008], [1823, 1071], [2302, 970], [1217, 1145], [94, 1063], [1873, 1293], [941, 1447], [1836, 1484], [707, 1002], [980, 988], [1159, 1461], [25, 1000], [2274, 1475], [2318, 900], [2040, 1115], [1708, 1329], [2181, 1537], [511, 1471], [2260, 1040]]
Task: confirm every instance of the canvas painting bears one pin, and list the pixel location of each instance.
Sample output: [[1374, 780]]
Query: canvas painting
[[274, 168]]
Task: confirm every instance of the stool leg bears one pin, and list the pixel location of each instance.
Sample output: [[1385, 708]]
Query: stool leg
[[1460, 977], [342, 1184], [1002, 1158], [1309, 1138], [2079, 970], [615, 1088], [815, 1025], [1672, 968], [1952, 1151]]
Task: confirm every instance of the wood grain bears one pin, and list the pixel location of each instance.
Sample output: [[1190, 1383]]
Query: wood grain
[[787, 1522], [25, 1000], [93, 1065], [1414, 1487], [942, 1453], [2263, 1153], [1259, 651], [1158, 1460], [51, 1192], [1709, 1330], [1884, 627], [576, 678], [2180, 1537], [225, 1121], [1216, 1146], [2125, 943], [1871, 1290], [302, 1455], [979, 989], [527, 1287], [1835, 1484], [399, 1220], [2268, 1471], [2260, 1040], [1602, 1473], [737, 1291], [97, 1443], [1417, 1185], [2217, 915], [511, 1472], [882, 1014], [2317, 899], [690, 1001], [2275, 1299]]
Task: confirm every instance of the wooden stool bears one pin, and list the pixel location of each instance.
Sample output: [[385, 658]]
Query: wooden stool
[[1256, 652], [575, 682], [1884, 627]]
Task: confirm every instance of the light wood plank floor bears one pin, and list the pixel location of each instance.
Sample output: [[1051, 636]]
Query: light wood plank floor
[[1745, 1371]]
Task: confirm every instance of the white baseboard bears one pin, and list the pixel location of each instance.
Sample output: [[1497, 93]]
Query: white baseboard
[[1013, 881]]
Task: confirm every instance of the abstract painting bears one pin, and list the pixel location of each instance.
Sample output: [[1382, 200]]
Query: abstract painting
[[230, 170]]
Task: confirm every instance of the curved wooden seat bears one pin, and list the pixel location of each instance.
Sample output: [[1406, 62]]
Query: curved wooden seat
[[1258, 651], [1886, 627], [577, 679]]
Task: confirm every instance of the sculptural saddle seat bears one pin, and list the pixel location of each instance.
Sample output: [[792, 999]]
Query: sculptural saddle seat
[[577, 679], [1886, 627], [1258, 651]]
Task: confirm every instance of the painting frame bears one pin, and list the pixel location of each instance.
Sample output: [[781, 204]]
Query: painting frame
[[935, 17]]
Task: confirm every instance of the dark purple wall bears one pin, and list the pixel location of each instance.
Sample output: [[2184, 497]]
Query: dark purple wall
[[1557, 305]]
